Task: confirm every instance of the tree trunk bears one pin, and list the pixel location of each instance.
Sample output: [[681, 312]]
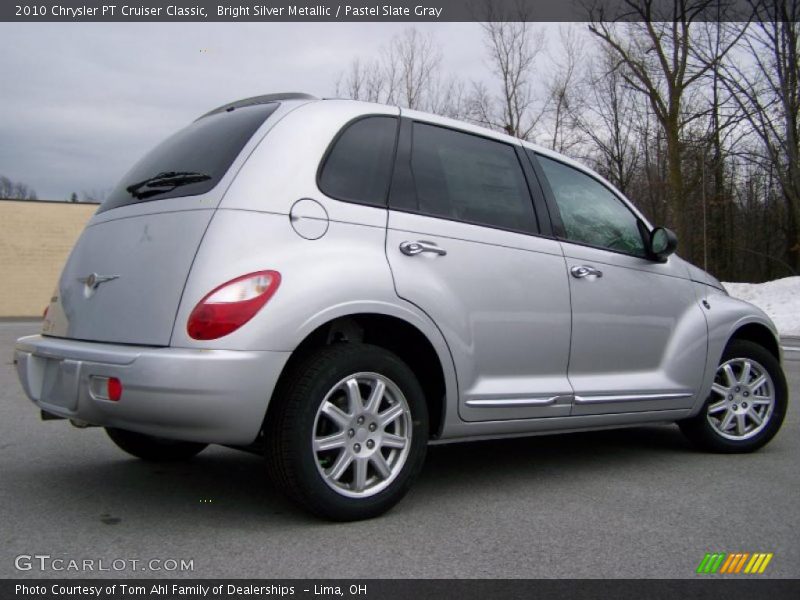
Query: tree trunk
[[792, 251], [677, 213]]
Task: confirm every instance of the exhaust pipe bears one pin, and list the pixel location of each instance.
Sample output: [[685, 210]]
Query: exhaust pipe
[[46, 416], [79, 423]]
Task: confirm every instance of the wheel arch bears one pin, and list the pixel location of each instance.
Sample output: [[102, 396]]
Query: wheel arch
[[760, 334], [428, 358], [729, 319]]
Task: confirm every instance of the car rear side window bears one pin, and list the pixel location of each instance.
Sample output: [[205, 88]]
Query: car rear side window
[[468, 178], [191, 161], [358, 167]]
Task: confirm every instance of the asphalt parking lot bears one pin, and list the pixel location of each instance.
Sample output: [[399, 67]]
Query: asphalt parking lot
[[628, 503]]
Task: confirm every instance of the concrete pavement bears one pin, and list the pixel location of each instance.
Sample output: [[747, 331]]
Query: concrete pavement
[[629, 503]]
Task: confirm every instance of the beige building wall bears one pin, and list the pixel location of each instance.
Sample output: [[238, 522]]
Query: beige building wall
[[35, 241]]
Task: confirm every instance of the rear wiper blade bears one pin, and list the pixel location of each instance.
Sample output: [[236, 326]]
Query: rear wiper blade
[[164, 182]]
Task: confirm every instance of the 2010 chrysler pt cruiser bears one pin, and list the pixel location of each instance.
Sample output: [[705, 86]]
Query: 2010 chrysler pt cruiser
[[335, 284]]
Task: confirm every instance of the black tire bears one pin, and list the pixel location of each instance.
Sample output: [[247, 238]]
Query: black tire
[[151, 448], [700, 431], [292, 418]]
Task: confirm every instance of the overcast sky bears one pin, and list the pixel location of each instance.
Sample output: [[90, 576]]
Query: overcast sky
[[81, 102]]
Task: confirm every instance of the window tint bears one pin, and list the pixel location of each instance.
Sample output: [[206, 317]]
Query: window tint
[[193, 160], [359, 165], [592, 214], [469, 178]]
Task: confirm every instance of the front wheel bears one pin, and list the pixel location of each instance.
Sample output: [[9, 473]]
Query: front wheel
[[747, 402], [348, 433]]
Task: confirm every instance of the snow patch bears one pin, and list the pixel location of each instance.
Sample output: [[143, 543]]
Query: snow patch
[[780, 299]]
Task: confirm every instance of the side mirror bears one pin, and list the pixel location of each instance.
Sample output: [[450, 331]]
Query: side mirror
[[663, 242]]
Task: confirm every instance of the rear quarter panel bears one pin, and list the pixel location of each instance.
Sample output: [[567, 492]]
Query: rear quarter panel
[[344, 272]]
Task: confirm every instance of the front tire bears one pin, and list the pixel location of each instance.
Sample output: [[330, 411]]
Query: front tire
[[747, 403], [347, 433], [154, 449]]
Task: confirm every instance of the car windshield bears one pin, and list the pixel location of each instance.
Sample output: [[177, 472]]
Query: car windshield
[[191, 161]]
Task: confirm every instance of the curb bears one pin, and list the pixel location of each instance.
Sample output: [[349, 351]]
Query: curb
[[20, 319], [790, 345]]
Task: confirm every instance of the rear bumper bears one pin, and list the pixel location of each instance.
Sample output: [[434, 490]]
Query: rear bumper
[[213, 396]]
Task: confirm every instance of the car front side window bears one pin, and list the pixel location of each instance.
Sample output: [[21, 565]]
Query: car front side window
[[591, 213]]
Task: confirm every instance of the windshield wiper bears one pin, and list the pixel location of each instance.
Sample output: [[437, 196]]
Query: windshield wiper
[[164, 182]]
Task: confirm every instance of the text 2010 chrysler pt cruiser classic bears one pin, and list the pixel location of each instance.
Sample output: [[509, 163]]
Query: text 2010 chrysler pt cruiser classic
[[335, 283]]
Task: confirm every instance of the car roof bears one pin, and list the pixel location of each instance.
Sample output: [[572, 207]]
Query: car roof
[[435, 120], [264, 99]]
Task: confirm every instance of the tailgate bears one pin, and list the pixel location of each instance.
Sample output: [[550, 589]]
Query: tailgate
[[124, 279]]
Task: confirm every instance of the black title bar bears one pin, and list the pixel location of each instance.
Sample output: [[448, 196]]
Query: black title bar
[[396, 589], [376, 10]]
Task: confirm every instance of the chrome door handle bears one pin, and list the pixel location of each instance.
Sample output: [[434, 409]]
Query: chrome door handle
[[420, 246], [585, 271]]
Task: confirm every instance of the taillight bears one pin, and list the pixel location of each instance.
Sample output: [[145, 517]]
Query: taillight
[[105, 388], [44, 314], [231, 305], [114, 389]]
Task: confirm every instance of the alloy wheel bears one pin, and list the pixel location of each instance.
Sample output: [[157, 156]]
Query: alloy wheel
[[744, 399], [362, 434]]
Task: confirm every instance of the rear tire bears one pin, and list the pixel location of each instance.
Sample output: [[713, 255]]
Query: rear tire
[[747, 403], [152, 448], [347, 432]]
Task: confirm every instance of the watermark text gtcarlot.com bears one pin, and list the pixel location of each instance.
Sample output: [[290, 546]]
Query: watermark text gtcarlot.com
[[46, 562]]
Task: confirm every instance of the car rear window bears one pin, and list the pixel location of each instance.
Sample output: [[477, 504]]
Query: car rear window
[[191, 161]]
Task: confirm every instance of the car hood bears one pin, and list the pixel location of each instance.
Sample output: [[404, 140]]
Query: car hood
[[697, 274]]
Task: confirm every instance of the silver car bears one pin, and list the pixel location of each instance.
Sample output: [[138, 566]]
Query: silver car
[[337, 284]]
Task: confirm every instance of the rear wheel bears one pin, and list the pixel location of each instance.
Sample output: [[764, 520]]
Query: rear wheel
[[156, 449], [348, 434], [747, 402]]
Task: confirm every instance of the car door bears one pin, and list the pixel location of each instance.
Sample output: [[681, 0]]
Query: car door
[[465, 246], [638, 332]]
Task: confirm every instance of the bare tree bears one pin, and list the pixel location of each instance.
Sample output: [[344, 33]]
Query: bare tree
[[12, 190], [712, 144], [418, 59], [653, 176], [564, 103], [363, 81], [407, 73], [513, 47], [450, 98], [768, 93], [610, 118], [656, 58]]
